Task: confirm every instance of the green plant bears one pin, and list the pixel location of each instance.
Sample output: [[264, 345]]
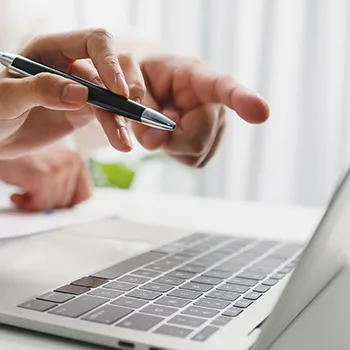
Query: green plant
[[120, 174]]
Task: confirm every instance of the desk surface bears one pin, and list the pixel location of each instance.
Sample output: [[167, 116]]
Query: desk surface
[[190, 213]]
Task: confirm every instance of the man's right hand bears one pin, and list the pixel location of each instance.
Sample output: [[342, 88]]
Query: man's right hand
[[38, 110]]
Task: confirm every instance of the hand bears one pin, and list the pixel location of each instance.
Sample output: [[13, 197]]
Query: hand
[[37, 110], [51, 178], [194, 95]]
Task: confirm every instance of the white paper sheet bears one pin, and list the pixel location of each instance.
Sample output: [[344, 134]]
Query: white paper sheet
[[14, 223]]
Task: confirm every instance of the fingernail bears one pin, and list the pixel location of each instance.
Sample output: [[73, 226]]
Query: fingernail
[[125, 137], [122, 85], [138, 100], [75, 94]]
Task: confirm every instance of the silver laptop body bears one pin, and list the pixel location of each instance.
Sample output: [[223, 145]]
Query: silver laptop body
[[130, 286]]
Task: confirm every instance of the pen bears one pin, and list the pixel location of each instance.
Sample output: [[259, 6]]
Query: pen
[[98, 96]]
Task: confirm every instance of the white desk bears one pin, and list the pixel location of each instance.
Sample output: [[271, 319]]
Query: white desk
[[198, 214]]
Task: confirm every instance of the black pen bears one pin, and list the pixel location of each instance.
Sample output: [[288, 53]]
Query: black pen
[[98, 96]]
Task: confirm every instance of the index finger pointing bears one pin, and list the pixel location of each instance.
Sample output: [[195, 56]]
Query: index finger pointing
[[211, 87], [98, 44]]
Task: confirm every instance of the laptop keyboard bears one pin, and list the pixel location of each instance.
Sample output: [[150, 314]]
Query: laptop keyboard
[[188, 289]]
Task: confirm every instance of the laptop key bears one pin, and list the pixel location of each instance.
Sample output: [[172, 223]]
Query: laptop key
[[173, 281], [222, 320], [285, 270], [128, 265], [243, 303], [233, 288], [173, 331], [120, 286], [89, 282], [144, 294], [78, 306], [156, 287], [207, 280], [187, 321], [191, 268], [270, 282], [212, 303], [218, 294], [232, 312], [242, 282], [106, 293], [159, 267], [200, 312], [197, 287], [38, 305], [146, 273], [227, 268], [261, 289], [202, 263], [70, 289], [179, 257], [58, 298], [133, 279], [205, 333], [185, 294], [278, 276], [170, 301], [107, 314], [131, 303], [190, 253], [252, 275], [140, 322], [252, 296], [169, 262], [218, 274], [180, 274], [158, 310]]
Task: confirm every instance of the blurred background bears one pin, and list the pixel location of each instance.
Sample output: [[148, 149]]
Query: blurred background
[[295, 53]]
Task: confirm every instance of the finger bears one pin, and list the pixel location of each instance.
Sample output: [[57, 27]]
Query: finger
[[69, 182], [204, 161], [208, 86], [97, 44], [114, 126], [200, 162], [19, 199], [196, 133], [150, 138], [83, 188], [33, 202], [47, 90], [133, 76]]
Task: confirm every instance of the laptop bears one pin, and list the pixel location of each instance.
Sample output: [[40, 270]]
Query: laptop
[[156, 290]]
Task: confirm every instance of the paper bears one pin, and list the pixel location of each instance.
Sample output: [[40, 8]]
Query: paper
[[14, 223]]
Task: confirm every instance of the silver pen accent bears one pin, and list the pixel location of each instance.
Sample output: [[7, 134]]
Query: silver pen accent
[[6, 59], [156, 120]]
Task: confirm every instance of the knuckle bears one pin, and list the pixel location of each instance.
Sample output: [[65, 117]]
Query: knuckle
[[42, 82], [126, 57], [37, 39], [95, 78], [137, 89], [101, 33]]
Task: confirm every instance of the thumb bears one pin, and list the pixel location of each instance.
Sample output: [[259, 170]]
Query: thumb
[[45, 89]]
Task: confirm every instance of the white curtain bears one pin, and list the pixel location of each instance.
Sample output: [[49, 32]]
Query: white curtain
[[296, 53]]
